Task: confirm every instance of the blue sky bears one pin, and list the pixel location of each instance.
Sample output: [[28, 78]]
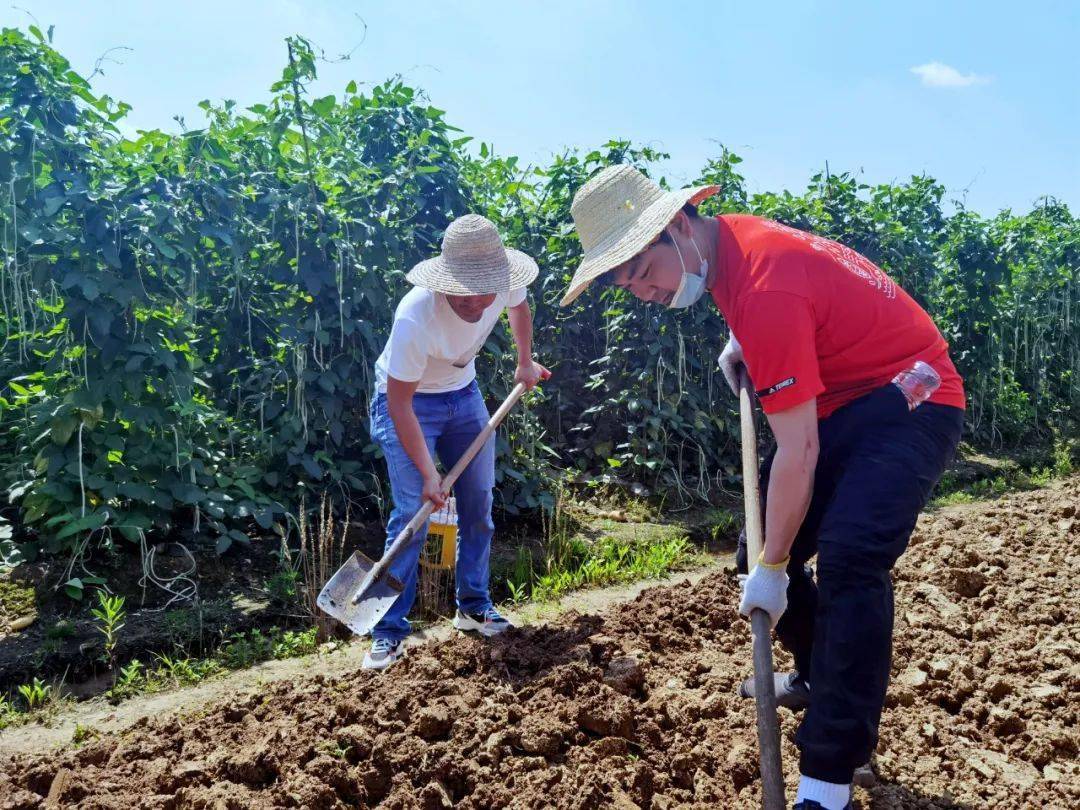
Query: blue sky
[[981, 95]]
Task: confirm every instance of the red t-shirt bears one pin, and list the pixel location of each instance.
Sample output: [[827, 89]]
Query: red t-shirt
[[816, 319]]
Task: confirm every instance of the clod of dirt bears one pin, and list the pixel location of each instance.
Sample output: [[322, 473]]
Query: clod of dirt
[[966, 582], [915, 678], [607, 714], [742, 765], [624, 674], [542, 736], [253, 765], [434, 722], [435, 796]]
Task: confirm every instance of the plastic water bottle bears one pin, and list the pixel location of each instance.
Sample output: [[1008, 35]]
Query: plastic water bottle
[[917, 383]]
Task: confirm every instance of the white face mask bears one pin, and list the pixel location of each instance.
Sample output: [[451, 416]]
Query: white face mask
[[691, 287]]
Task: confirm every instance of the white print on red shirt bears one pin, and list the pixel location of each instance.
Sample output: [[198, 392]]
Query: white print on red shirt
[[780, 386], [853, 261]]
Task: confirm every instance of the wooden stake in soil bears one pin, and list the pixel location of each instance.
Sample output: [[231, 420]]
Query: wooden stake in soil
[[59, 784], [772, 773]]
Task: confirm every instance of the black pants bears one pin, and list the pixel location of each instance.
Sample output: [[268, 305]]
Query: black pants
[[877, 465]]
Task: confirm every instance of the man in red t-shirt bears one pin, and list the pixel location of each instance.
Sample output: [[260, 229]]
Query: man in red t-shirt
[[845, 364]]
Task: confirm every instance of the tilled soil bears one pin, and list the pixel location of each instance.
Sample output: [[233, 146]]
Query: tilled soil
[[637, 707]]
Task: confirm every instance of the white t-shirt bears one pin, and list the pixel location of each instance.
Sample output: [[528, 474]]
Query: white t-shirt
[[429, 343]]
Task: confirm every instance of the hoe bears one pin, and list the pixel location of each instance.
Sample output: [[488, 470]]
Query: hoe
[[768, 726]]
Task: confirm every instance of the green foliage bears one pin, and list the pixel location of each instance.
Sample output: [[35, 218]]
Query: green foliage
[[16, 599], [239, 651], [611, 560], [246, 649], [63, 628], [724, 524], [83, 734], [9, 714], [35, 694], [38, 699], [281, 587], [334, 749], [110, 617], [190, 321], [1012, 477]]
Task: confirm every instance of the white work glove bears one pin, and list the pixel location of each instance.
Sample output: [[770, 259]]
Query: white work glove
[[765, 589], [730, 358]]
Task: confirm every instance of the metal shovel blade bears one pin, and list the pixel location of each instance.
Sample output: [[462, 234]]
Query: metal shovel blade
[[336, 598]]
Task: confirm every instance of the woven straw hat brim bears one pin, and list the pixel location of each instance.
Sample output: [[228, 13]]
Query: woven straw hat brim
[[467, 279], [630, 242]]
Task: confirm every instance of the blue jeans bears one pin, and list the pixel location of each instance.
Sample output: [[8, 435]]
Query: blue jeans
[[449, 422]]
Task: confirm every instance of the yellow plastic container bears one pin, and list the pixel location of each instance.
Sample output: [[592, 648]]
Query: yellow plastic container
[[440, 550]]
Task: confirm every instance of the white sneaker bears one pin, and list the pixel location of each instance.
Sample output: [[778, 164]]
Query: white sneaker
[[383, 653], [792, 691], [489, 623]]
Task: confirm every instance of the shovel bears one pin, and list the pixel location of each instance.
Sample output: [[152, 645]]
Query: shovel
[[768, 726], [362, 591]]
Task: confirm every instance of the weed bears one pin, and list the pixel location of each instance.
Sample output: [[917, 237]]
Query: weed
[[84, 734], [293, 644], [281, 587], [333, 749], [239, 651], [611, 560], [954, 498], [61, 630], [187, 628], [110, 616], [1012, 478], [558, 538], [522, 576], [1062, 458], [186, 671], [128, 682], [9, 714], [36, 694], [242, 650], [725, 523], [518, 591]]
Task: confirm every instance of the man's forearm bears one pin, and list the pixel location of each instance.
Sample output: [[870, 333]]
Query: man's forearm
[[521, 326], [791, 482], [411, 436]]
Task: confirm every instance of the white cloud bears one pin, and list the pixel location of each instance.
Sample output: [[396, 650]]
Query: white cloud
[[937, 74]]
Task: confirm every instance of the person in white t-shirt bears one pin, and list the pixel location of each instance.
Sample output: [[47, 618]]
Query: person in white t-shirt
[[427, 403]]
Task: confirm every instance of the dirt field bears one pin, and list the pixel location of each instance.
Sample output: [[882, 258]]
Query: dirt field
[[636, 708]]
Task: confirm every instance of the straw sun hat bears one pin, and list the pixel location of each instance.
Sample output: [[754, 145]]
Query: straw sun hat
[[474, 262], [617, 213]]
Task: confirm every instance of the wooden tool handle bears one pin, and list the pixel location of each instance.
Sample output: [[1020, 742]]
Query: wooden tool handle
[[413, 526], [755, 530], [768, 725], [482, 436]]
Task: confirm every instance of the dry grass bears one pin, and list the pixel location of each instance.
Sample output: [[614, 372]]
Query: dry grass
[[322, 551]]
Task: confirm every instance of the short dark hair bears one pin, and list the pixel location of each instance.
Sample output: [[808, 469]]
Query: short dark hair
[[691, 212]]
